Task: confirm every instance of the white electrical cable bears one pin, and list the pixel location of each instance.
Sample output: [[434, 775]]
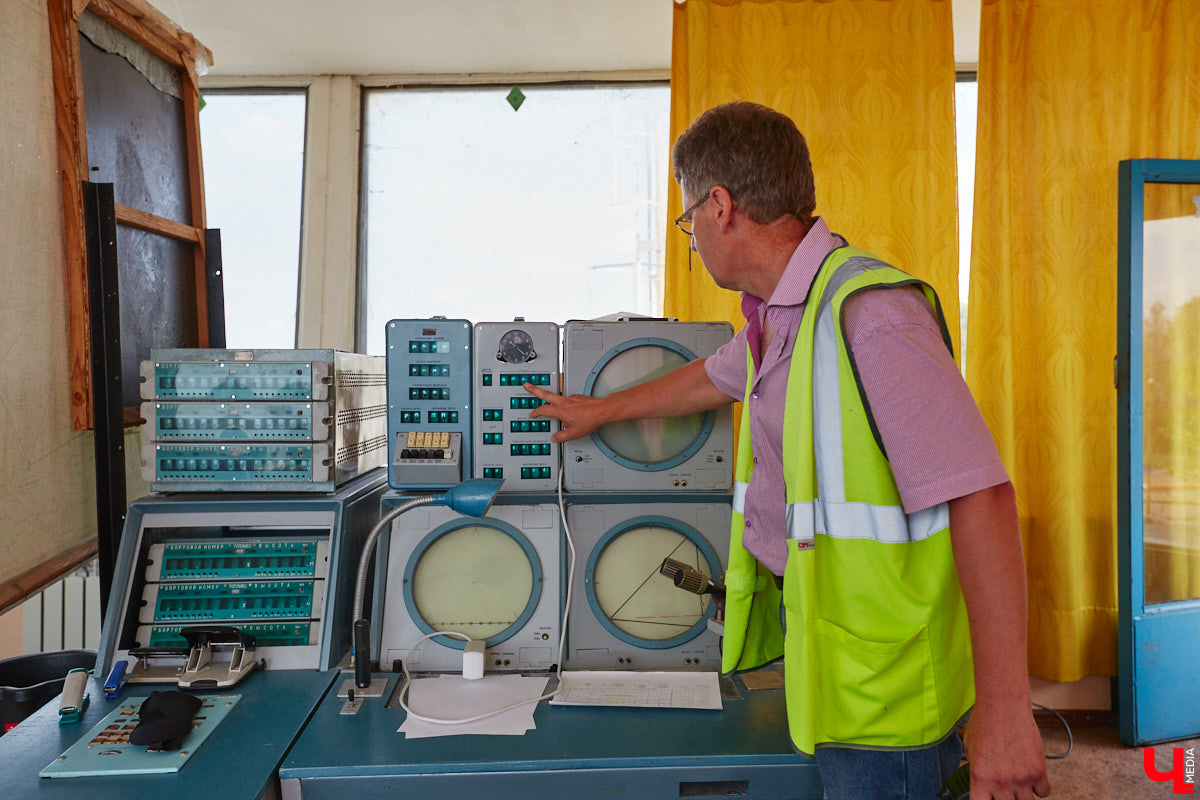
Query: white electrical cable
[[562, 639]]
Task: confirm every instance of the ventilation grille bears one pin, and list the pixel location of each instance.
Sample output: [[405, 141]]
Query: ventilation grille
[[352, 452], [351, 415], [350, 379]]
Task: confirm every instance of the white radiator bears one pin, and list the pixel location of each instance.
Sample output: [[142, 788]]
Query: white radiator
[[64, 615]]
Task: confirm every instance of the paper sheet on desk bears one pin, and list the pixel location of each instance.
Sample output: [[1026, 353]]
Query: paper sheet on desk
[[640, 689], [454, 697]]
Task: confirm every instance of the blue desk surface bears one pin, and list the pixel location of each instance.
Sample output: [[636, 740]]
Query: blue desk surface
[[743, 749], [238, 759]]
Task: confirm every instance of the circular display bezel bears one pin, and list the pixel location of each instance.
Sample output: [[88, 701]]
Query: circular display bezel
[[448, 528], [706, 425], [683, 529]]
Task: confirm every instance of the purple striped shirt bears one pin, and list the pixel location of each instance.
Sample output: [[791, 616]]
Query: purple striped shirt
[[937, 442]]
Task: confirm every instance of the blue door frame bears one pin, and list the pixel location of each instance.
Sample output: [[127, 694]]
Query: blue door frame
[[1159, 681]]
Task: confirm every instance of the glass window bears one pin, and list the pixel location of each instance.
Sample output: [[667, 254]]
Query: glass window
[[966, 107], [253, 149], [552, 212]]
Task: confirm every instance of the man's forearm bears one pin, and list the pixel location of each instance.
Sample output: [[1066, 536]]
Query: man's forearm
[[991, 569], [1004, 744]]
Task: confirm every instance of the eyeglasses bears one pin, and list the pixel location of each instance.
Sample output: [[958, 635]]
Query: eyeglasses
[[684, 220]]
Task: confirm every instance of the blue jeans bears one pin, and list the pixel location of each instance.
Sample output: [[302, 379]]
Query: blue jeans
[[850, 774]]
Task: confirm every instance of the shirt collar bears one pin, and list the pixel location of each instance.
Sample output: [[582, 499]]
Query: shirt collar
[[806, 260]]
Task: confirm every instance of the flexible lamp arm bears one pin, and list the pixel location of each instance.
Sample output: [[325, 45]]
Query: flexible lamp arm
[[471, 498]]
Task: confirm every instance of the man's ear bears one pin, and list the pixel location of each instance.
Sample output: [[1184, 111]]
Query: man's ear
[[723, 206]]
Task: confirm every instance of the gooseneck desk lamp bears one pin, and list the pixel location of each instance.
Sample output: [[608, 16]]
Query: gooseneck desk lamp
[[471, 498]]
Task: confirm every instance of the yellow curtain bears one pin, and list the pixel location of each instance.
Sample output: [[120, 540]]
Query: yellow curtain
[[870, 83], [1066, 90]]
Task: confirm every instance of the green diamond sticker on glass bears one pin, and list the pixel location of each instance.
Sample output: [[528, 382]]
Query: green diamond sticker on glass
[[515, 98]]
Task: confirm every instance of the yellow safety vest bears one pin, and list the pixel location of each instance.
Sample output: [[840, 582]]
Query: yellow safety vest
[[877, 650]]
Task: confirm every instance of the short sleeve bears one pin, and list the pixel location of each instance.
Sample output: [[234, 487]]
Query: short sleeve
[[936, 440], [726, 368]]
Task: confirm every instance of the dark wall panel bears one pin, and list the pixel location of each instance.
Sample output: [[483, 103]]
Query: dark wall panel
[[135, 136]]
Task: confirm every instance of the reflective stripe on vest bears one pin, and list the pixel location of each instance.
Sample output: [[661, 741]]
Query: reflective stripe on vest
[[886, 524], [739, 496]]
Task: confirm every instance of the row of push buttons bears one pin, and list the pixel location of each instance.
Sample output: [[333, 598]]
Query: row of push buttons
[[231, 465], [529, 426], [527, 473], [529, 449], [428, 346], [524, 402], [414, 417], [230, 423], [427, 393], [520, 379]]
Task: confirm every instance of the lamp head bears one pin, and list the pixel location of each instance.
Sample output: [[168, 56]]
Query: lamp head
[[472, 498]]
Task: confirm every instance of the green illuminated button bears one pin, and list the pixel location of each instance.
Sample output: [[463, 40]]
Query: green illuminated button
[[487, 379]]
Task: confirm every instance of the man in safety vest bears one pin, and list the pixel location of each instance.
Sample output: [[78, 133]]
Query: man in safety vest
[[870, 502]]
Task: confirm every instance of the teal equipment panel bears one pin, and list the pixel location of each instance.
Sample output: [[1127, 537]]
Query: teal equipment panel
[[428, 392], [232, 560], [1158, 461], [238, 761], [266, 634], [239, 422], [219, 602], [508, 444], [188, 466], [236, 380], [261, 420], [105, 750], [277, 566], [742, 750]]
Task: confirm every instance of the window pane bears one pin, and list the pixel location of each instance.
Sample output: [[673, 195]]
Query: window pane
[[966, 107], [253, 146], [474, 211]]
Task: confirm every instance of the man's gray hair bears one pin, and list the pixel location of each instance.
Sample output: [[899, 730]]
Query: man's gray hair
[[756, 153]]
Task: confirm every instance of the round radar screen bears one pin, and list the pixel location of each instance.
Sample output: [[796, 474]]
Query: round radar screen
[[646, 444], [632, 599], [482, 579]]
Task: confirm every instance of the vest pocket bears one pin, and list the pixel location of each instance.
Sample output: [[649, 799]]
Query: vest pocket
[[873, 693]]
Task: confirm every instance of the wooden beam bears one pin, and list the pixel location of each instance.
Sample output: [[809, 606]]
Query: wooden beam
[[195, 167], [72, 167], [44, 574], [144, 220], [150, 28]]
